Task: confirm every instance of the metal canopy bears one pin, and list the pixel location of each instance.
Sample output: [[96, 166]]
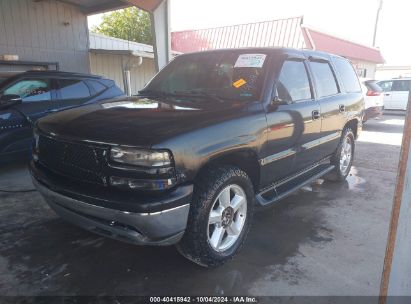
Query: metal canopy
[[159, 14], [123, 53], [91, 7]]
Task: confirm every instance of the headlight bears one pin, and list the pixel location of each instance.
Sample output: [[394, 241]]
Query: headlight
[[137, 157]]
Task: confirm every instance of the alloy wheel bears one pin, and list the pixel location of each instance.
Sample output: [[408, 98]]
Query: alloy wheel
[[346, 155], [227, 218]]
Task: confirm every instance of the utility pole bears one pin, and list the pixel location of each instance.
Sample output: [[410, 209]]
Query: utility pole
[[396, 279], [376, 24]]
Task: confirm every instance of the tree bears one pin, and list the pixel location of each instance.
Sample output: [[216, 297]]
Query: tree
[[130, 24]]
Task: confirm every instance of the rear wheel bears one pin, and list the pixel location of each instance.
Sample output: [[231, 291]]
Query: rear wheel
[[343, 157], [220, 217]]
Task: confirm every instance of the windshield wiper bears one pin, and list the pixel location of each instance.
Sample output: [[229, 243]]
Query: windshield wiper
[[153, 92], [196, 93], [187, 93]]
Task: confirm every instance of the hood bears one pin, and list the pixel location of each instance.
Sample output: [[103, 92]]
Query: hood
[[140, 122]]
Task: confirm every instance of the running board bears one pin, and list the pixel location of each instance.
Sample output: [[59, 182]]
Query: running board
[[286, 187]]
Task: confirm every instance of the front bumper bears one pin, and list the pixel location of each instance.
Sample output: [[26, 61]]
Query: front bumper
[[165, 227]]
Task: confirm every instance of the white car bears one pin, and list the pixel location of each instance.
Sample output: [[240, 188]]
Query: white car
[[373, 99], [396, 93]]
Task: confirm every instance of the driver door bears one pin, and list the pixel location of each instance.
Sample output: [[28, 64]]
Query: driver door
[[36, 95], [16, 121], [291, 123]]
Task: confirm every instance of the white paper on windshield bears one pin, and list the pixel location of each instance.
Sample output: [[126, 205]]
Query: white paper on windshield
[[250, 61]]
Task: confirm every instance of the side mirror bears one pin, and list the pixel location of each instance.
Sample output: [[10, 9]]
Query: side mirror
[[9, 100], [276, 101]]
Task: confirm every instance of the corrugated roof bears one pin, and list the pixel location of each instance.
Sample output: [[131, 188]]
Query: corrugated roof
[[321, 41], [282, 32], [100, 6], [104, 44]]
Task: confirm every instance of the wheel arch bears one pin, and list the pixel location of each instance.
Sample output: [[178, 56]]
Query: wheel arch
[[353, 125], [244, 159]]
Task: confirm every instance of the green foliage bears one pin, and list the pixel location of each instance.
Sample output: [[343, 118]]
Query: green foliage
[[130, 24]]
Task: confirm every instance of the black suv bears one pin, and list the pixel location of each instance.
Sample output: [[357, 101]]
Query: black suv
[[27, 96], [213, 135]]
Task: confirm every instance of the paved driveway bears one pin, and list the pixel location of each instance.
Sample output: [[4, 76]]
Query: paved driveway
[[328, 239]]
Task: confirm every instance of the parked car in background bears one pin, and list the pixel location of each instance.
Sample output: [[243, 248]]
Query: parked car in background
[[212, 135], [26, 97], [396, 93], [373, 99]]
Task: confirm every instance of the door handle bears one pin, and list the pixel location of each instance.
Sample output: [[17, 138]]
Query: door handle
[[315, 114], [342, 108], [387, 94]]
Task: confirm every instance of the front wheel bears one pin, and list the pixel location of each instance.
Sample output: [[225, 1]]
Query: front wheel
[[343, 157], [220, 216]]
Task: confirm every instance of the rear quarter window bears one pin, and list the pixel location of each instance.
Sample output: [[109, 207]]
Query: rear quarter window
[[107, 82], [73, 89], [348, 76], [96, 86], [386, 86]]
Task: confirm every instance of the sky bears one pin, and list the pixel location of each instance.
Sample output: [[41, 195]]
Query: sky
[[350, 19]]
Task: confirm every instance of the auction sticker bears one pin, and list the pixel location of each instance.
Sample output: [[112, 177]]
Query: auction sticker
[[250, 61], [240, 82]]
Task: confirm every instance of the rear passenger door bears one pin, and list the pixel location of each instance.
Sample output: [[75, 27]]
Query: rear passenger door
[[386, 86], [71, 93], [332, 104], [16, 122], [399, 94]]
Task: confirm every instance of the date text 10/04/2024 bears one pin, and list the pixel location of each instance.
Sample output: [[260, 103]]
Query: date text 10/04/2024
[[205, 299]]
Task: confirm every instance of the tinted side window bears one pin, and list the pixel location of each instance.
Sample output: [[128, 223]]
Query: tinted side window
[[348, 76], [324, 79], [107, 82], [293, 84], [31, 90], [73, 89], [97, 86], [386, 86], [401, 85]]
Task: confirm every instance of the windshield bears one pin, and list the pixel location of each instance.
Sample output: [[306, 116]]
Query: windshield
[[216, 76]]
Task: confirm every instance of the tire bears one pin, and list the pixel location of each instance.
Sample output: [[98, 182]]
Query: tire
[[199, 243], [341, 171]]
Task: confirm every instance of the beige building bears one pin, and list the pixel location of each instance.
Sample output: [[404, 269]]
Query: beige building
[[125, 62], [393, 71]]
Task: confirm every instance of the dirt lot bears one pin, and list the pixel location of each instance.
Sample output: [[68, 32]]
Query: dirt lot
[[327, 239]]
